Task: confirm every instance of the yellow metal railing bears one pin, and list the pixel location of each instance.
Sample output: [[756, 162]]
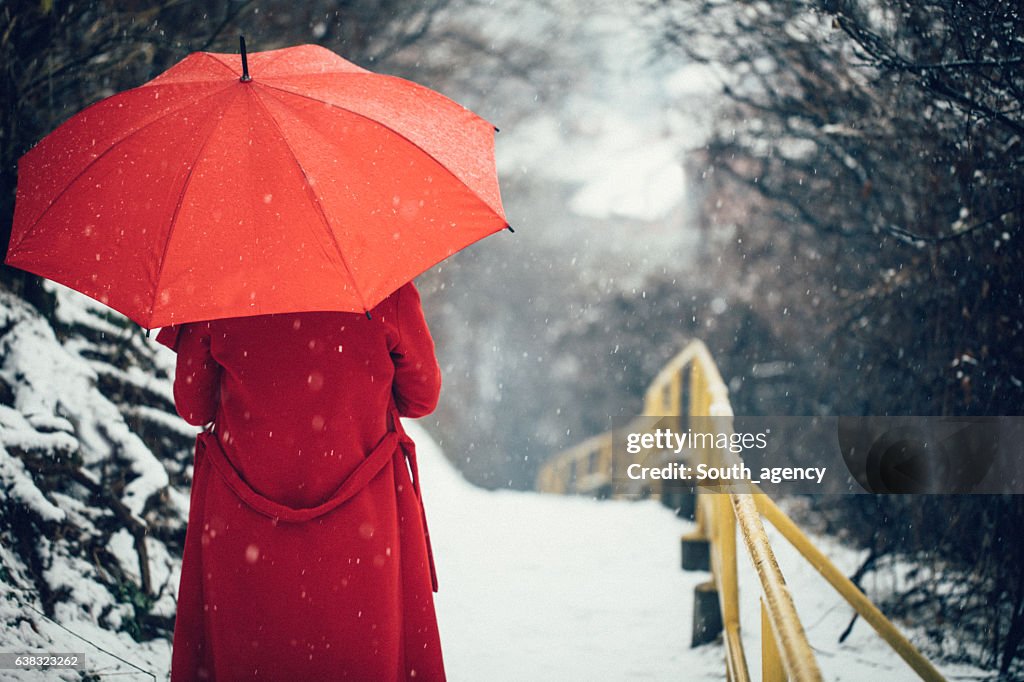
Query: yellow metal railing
[[690, 385]]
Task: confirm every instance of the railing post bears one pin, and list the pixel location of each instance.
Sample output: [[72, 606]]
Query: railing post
[[724, 549], [707, 616], [771, 662], [695, 552]]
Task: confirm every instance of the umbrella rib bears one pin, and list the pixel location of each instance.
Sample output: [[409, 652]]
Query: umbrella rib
[[220, 62], [376, 122], [178, 204], [316, 200], [108, 150], [272, 60], [209, 57]]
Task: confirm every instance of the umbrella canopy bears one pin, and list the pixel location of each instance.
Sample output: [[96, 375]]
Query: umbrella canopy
[[204, 193]]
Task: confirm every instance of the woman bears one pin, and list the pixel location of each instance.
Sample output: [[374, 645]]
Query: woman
[[306, 555]]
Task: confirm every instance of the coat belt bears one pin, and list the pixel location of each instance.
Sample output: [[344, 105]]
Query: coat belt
[[207, 444]]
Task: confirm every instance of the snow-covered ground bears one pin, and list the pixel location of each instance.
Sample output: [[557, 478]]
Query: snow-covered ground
[[538, 587]]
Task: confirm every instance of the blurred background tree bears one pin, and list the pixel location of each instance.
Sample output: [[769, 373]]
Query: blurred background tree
[[871, 158], [863, 194]]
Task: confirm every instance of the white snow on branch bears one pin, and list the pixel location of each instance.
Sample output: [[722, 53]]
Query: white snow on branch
[[50, 382], [16, 484]]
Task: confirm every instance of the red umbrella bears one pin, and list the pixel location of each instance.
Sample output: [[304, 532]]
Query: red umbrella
[[205, 193]]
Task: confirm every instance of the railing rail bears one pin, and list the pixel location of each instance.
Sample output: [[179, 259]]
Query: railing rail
[[690, 386]]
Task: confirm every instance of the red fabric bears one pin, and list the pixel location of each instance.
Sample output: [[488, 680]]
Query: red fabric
[[296, 567], [317, 185]]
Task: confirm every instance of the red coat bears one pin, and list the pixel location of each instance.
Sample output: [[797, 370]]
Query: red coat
[[306, 555]]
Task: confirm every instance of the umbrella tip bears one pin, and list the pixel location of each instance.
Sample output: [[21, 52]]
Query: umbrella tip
[[510, 229], [368, 315], [245, 60], [497, 129]]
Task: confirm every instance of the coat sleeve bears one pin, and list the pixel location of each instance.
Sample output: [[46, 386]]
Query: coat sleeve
[[197, 376], [417, 383], [168, 336]]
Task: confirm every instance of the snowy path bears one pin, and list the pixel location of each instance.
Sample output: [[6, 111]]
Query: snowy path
[[547, 588], [537, 587]]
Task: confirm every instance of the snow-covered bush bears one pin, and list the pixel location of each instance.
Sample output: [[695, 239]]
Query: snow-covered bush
[[94, 473]]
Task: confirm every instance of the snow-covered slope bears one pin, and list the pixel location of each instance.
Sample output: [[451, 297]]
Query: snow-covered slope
[[91, 522]]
